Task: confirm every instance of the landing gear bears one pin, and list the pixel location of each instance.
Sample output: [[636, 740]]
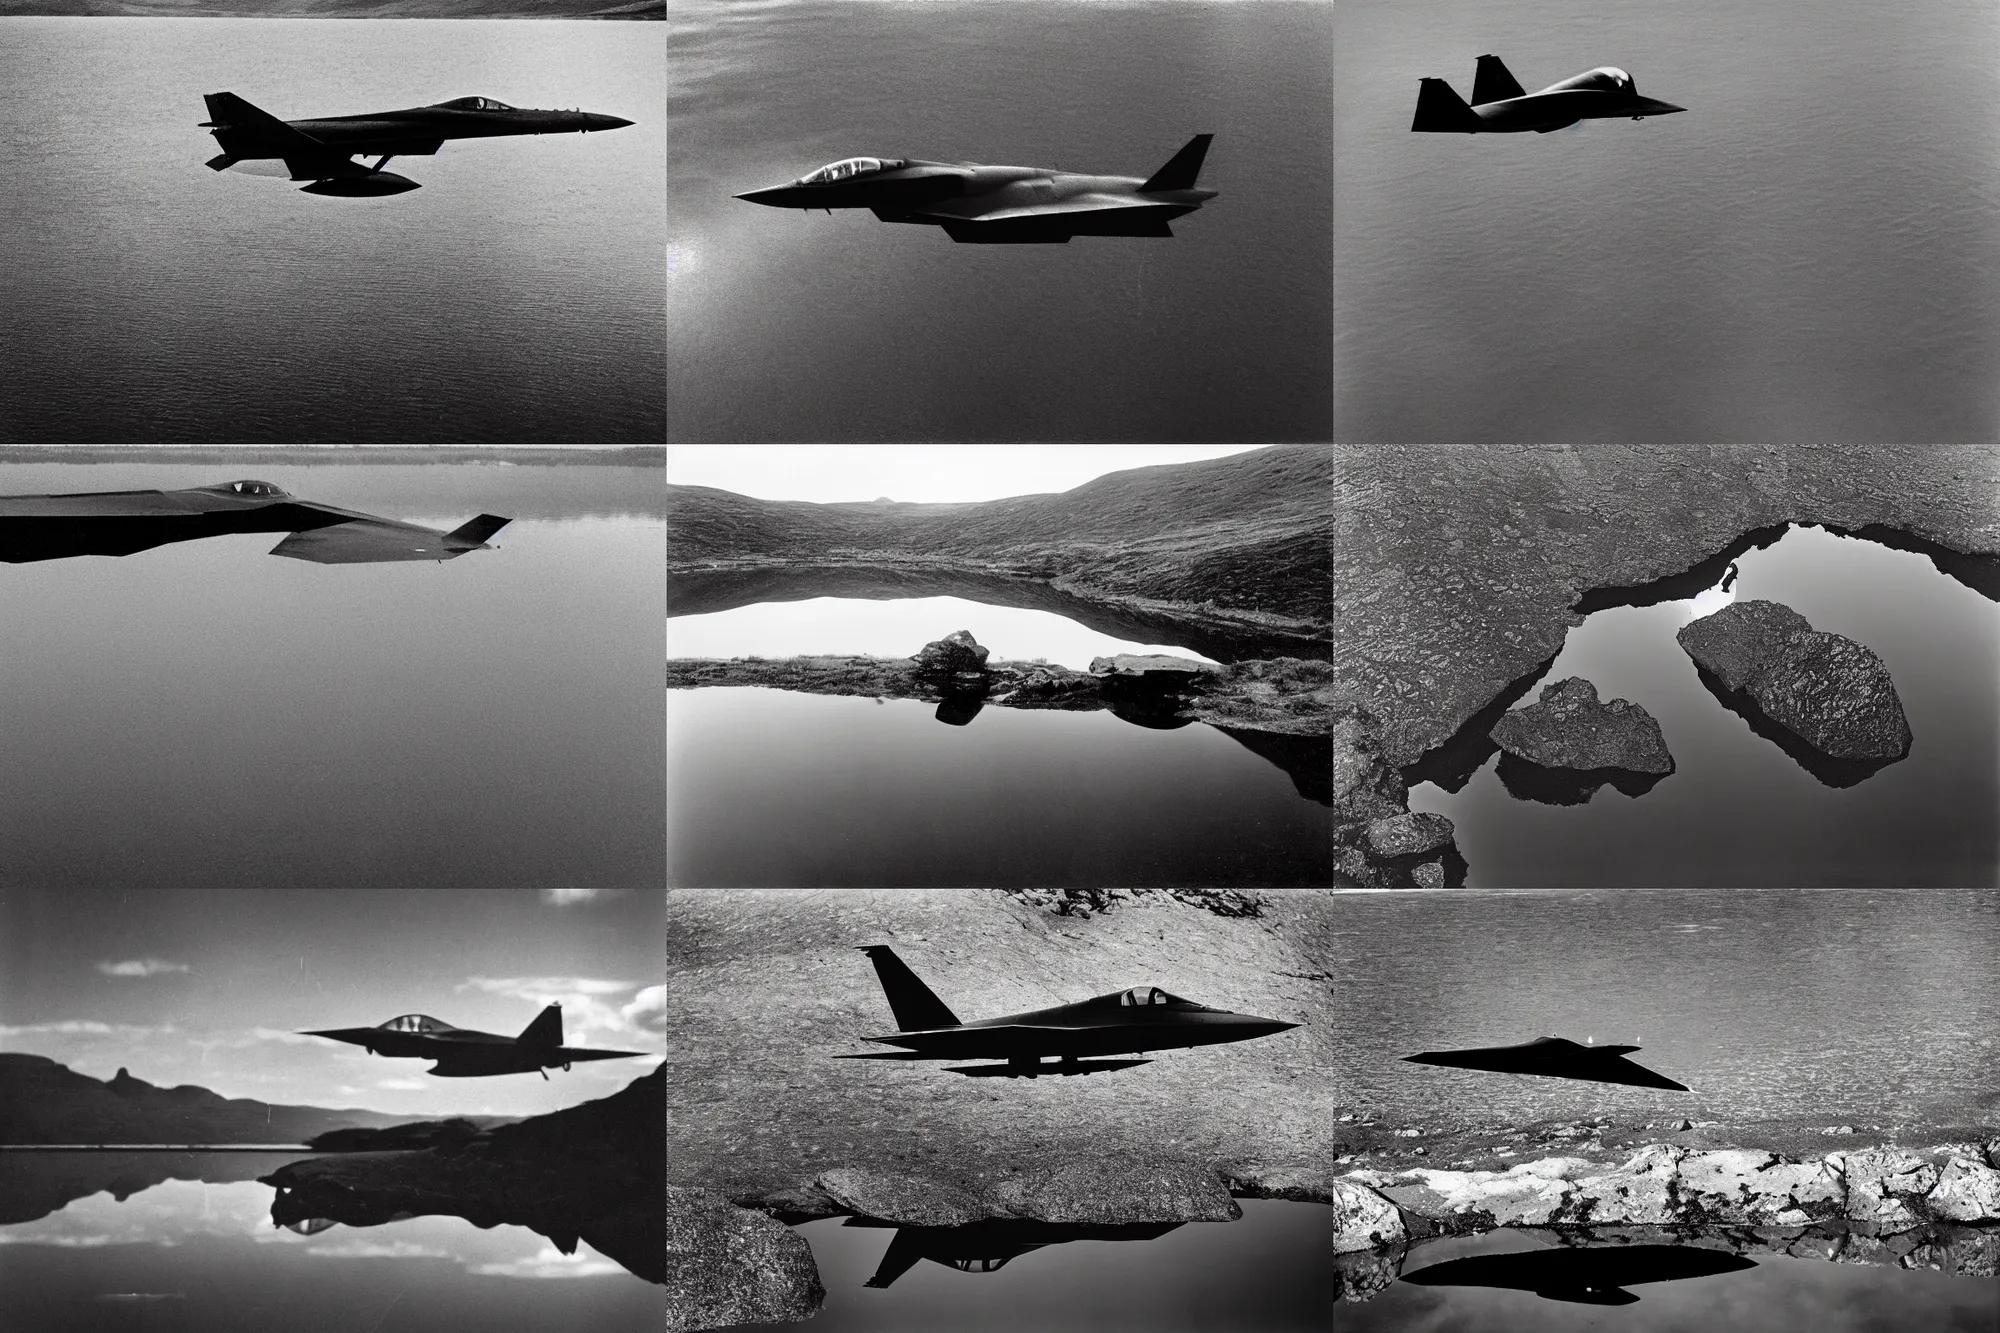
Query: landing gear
[[383, 163]]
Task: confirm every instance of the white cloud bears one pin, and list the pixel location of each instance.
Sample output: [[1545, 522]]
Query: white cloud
[[401, 1084], [82, 1027], [590, 1013], [571, 897], [140, 967], [364, 1249], [545, 990], [551, 1262]]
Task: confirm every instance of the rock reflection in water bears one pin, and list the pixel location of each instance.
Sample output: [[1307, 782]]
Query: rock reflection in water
[[1529, 781], [988, 1245], [1824, 768]]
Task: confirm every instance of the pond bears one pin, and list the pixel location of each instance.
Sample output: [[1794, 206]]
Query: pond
[[769, 788], [185, 1241], [1266, 1273], [1738, 809], [1537, 1281], [204, 714]]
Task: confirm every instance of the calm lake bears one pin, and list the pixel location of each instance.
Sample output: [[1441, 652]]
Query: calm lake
[[1767, 1293], [1266, 1273], [1738, 809], [1807, 252], [791, 326], [1868, 1007], [205, 714], [117, 1246], [518, 296]]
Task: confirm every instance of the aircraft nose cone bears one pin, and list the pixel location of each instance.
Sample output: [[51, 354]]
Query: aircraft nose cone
[[593, 121], [770, 196]]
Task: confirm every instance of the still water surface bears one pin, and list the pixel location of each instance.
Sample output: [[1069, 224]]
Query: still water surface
[[199, 1252], [1266, 1273], [1738, 809], [1808, 252], [206, 714], [518, 296], [770, 788], [794, 326], [1868, 1007]]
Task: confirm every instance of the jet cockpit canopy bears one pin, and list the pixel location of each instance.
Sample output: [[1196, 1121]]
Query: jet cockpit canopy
[[848, 168], [1146, 995], [417, 1023], [262, 488], [476, 104], [1605, 78]]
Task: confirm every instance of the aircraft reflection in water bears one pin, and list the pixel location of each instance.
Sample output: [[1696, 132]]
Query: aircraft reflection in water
[[985, 1246], [1553, 1057], [1142, 1019], [465, 1053], [1592, 1276], [322, 151], [1500, 107], [1002, 205], [56, 527]]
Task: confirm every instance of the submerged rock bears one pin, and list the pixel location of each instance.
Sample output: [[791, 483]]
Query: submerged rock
[[1570, 729], [1831, 692], [956, 652]]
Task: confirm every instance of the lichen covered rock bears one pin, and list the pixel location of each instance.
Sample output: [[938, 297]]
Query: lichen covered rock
[[1570, 729], [1408, 835], [956, 652], [728, 1265]]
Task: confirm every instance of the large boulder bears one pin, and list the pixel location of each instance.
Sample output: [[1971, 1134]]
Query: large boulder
[[1741, 1187], [956, 652], [1886, 1187], [1149, 668], [1570, 729], [1412, 834], [1966, 1191], [1363, 1220], [728, 1265], [1829, 691]]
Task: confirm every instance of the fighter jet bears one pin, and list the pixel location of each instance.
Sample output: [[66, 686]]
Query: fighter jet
[[1500, 107], [55, 527], [1144, 1018], [463, 1053], [1553, 1057], [321, 151], [1002, 205], [986, 1245], [1596, 1275]]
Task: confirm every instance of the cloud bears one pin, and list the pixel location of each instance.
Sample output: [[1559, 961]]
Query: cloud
[[571, 897], [545, 990], [648, 1009], [401, 1084], [549, 1263], [590, 1011], [82, 1027], [140, 967], [400, 1249]]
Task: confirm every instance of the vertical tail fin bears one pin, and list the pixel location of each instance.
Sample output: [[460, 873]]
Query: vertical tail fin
[[1441, 111], [910, 1000], [546, 1030], [475, 533], [1181, 168], [901, 1256], [1493, 82]]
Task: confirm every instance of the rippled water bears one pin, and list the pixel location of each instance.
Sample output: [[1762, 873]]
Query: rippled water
[[899, 628], [1808, 252], [200, 1252], [775, 789], [205, 714], [791, 326], [1266, 1273], [518, 296], [1873, 1007], [1738, 809]]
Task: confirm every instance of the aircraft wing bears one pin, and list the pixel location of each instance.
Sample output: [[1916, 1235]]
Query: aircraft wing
[[997, 1040], [364, 539], [1083, 214], [578, 1053]]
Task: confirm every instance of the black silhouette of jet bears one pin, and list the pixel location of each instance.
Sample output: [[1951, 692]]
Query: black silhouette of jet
[[321, 151], [1500, 107], [55, 527], [1002, 205], [1144, 1018], [1593, 1276], [985, 1246], [1552, 1057], [464, 1053]]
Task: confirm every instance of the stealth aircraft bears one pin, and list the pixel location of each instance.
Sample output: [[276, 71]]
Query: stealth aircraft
[[986, 1245], [464, 1053], [1002, 205], [55, 527], [322, 151], [1553, 1057], [1596, 1275], [1500, 107], [1142, 1019]]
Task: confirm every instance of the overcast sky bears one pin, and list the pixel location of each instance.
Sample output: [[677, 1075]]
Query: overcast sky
[[919, 473], [212, 988]]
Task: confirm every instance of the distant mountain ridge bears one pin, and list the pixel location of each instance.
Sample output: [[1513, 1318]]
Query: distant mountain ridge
[[1251, 533], [42, 1101]]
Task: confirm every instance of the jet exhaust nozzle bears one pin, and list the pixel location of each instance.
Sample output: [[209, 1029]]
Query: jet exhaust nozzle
[[372, 186]]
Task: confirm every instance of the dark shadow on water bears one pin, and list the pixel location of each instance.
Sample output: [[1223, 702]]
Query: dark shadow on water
[[1526, 780], [1307, 760], [1684, 585], [1451, 765], [1584, 1276], [1981, 573], [1824, 768], [955, 710], [703, 592], [988, 1245]]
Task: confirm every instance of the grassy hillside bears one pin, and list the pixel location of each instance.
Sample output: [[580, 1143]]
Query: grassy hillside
[[1251, 532]]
